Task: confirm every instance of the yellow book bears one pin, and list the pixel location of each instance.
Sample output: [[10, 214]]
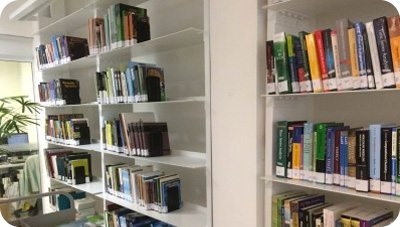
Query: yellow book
[[79, 163], [109, 134], [313, 61], [68, 127], [346, 222], [355, 223], [394, 34], [354, 59]]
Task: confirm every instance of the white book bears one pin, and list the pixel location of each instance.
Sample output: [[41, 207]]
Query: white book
[[374, 55], [332, 214]]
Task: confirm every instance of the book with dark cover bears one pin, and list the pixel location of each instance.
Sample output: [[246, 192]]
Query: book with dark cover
[[156, 139], [307, 85], [270, 64], [70, 91], [76, 47], [330, 61], [138, 13], [282, 64], [290, 40], [386, 160], [336, 153], [362, 160], [81, 131], [368, 60], [304, 202], [77, 156], [300, 66], [350, 180], [361, 54], [322, 59], [155, 84], [384, 52], [344, 138]]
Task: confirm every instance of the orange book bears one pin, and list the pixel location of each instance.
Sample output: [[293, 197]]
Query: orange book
[[126, 29], [131, 29], [314, 64], [354, 58], [394, 34]]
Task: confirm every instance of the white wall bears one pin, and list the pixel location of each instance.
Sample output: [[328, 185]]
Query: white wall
[[24, 28], [237, 112]]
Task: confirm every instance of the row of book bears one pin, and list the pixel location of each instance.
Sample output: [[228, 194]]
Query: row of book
[[117, 216], [364, 159], [144, 186], [354, 56], [70, 129], [297, 208], [122, 25], [139, 82], [148, 139], [61, 50], [73, 168], [59, 92]]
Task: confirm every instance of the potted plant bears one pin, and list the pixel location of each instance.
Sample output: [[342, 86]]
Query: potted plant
[[16, 113]]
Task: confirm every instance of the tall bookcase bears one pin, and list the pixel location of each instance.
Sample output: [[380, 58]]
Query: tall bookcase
[[355, 108], [179, 43]]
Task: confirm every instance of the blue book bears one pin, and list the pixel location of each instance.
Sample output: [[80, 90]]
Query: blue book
[[362, 66], [129, 81], [126, 184], [344, 136], [375, 157], [329, 158], [394, 159]]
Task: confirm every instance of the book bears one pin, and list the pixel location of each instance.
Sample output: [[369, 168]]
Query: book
[[336, 57], [394, 35], [345, 77], [298, 132], [394, 160], [376, 217], [330, 59], [293, 65], [398, 164], [271, 70], [362, 160], [307, 151], [306, 85], [304, 202], [361, 55], [343, 157], [155, 84], [354, 59], [369, 66], [303, 82], [374, 55], [282, 64], [336, 143], [316, 77], [350, 180], [322, 59], [375, 157], [386, 160], [277, 205], [384, 52], [332, 214]]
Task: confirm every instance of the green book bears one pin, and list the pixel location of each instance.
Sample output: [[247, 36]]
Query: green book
[[277, 204], [282, 63], [306, 64]]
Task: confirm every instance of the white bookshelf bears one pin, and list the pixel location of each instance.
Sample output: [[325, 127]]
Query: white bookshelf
[[355, 108], [179, 44]]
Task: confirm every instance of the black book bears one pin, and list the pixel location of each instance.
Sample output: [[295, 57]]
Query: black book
[[76, 156], [155, 84], [81, 131], [70, 91], [386, 160], [368, 60], [326, 34], [76, 47], [140, 20], [362, 160], [156, 139]]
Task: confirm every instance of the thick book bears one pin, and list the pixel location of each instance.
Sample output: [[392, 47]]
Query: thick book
[[277, 205], [291, 40], [361, 56], [384, 52], [300, 66], [362, 160], [76, 47], [322, 59], [336, 57], [314, 212], [282, 63], [375, 157], [271, 71], [374, 55], [333, 213], [343, 150], [155, 139], [350, 180], [376, 217], [307, 151], [386, 160], [369, 66], [70, 91], [394, 35], [306, 85], [304, 202], [298, 132], [315, 71], [155, 84], [336, 153], [330, 59], [345, 78], [353, 59]]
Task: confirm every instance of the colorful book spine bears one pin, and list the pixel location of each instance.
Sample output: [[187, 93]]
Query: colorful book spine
[[282, 64], [394, 34], [398, 164], [362, 65], [368, 60], [314, 63], [394, 159], [330, 59], [290, 40], [306, 85], [386, 156], [321, 154], [374, 55], [300, 65], [353, 58], [307, 151], [345, 77], [351, 161], [297, 151], [362, 160], [329, 159], [322, 59], [282, 146], [336, 58], [343, 157], [375, 157], [336, 154], [289, 155], [271, 71], [301, 203], [385, 55]]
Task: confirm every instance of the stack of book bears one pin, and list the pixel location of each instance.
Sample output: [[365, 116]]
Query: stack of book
[[147, 139], [116, 216], [297, 208], [123, 25], [59, 92], [365, 159], [61, 50], [73, 168], [139, 82], [354, 56], [141, 185], [71, 129]]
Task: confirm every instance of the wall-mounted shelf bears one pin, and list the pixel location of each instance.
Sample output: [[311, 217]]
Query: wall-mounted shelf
[[94, 187]]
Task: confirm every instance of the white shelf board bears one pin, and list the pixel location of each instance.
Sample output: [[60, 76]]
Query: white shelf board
[[185, 159], [94, 187], [81, 63], [186, 37], [87, 147], [80, 17], [189, 215], [315, 7], [334, 189], [94, 104], [11, 165], [183, 100], [367, 91]]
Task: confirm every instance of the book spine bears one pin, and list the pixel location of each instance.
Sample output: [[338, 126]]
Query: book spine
[[305, 85], [336, 169], [394, 34], [374, 155], [282, 64], [297, 135], [307, 150], [289, 156], [362, 65], [385, 55], [270, 67], [345, 76], [353, 59], [398, 164], [374, 55], [322, 59], [282, 142], [297, 205], [362, 173], [300, 65], [343, 157], [314, 63], [394, 160], [351, 161], [329, 159], [314, 154], [336, 58], [368, 60], [293, 63], [386, 155], [320, 155], [330, 59]]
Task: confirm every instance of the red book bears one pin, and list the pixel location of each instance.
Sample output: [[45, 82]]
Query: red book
[[322, 59]]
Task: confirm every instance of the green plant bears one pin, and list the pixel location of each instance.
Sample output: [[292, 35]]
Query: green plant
[[16, 113]]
